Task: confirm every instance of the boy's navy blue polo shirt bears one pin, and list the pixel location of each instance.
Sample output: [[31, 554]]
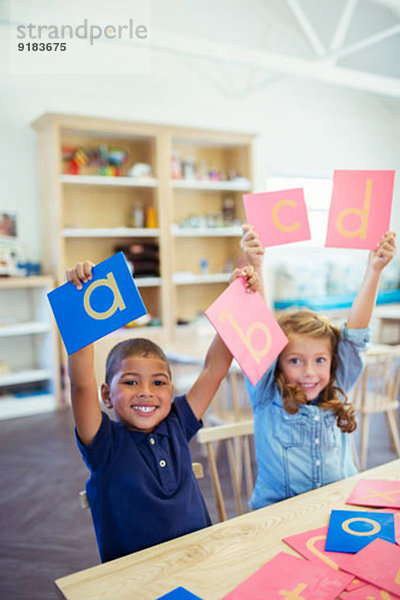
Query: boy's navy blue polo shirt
[[142, 490]]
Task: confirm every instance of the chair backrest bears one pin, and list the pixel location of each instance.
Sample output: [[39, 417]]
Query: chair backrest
[[231, 403], [236, 437], [197, 470], [377, 388]]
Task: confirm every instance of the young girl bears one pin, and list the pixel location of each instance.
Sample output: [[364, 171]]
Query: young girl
[[301, 411]]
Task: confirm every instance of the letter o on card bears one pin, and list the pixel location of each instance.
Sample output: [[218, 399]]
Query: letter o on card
[[376, 527]]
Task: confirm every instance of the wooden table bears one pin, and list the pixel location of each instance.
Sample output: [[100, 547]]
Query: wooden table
[[213, 561]]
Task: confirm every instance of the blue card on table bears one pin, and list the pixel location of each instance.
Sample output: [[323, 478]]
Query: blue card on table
[[350, 531], [108, 301], [179, 593]]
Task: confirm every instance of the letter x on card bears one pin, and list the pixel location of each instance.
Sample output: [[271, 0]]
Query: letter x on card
[[376, 492], [288, 577], [248, 329], [107, 302]]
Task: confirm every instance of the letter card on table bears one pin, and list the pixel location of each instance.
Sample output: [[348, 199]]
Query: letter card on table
[[108, 301], [376, 492], [368, 592], [360, 208], [349, 531], [248, 329], [311, 545], [378, 563], [179, 593], [290, 577], [278, 217]]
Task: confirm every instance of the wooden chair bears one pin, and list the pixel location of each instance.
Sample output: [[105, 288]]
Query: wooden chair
[[197, 470], [231, 403], [376, 391], [236, 439]]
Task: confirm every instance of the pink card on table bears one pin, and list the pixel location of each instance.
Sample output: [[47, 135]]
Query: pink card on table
[[287, 576], [368, 592], [248, 328], [360, 208], [278, 217], [378, 563], [311, 545], [376, 492]]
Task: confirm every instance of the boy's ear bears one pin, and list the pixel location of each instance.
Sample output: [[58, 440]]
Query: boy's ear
[[105, 395]]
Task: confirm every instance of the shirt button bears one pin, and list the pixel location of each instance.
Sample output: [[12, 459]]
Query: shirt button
[[162, 463], [318, 484], [318, 462], [152, 441], [316, 441], [316, 418]]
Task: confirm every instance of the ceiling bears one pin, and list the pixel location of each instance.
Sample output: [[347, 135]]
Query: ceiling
[[352, 43], [244, 45]]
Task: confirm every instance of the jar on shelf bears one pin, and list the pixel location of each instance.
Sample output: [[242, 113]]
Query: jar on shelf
[[228, 210], [138, 215], [151, 217]]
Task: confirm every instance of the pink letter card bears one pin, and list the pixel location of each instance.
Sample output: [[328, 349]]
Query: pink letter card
[[248, 329], [311, 545], [287, 576], [376, 492], [378, 563], [369, 592], [278, 217], [360, 208]]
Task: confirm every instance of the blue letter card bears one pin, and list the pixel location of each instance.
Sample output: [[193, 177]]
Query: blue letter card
[[350, 531], [108, 301], [179, 593]]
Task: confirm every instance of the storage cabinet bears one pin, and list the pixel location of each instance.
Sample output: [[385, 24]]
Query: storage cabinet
[[29, 363], [192, 190]]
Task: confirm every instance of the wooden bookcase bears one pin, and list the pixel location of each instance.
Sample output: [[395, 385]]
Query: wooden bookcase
[[86, 215]]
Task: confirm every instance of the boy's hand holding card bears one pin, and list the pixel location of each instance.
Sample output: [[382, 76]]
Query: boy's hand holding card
[[107, 302]]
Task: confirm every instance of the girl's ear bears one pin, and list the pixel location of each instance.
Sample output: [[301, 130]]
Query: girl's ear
[[105, 395]]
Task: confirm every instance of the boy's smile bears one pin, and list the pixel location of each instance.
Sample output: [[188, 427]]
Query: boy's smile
[[306, 363], [140, 392]]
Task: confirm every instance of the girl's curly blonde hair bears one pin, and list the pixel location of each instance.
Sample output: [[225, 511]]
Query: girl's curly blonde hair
[[308, 323]]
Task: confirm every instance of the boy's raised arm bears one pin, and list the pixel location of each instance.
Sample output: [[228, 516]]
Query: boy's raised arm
[[363, 305], [84, 393], [218, 358]]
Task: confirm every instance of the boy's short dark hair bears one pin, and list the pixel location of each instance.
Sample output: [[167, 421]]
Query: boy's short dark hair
[[132, 347]]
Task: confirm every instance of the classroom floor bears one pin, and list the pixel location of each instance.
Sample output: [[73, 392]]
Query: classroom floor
[[44, 532]]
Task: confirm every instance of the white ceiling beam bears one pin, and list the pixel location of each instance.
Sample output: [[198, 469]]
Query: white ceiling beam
[[276, 63], [366, 42], [343, 25], [306, 27]]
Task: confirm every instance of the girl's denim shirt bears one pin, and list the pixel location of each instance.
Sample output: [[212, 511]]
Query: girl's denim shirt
[[300, 452]]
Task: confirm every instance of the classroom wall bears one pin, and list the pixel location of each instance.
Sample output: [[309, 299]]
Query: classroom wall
[[301, 125]]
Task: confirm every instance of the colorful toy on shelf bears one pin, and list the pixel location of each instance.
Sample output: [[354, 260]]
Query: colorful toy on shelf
[[108, 161]]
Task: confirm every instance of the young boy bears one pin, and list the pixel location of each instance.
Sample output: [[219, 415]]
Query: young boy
[[142, 490]]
